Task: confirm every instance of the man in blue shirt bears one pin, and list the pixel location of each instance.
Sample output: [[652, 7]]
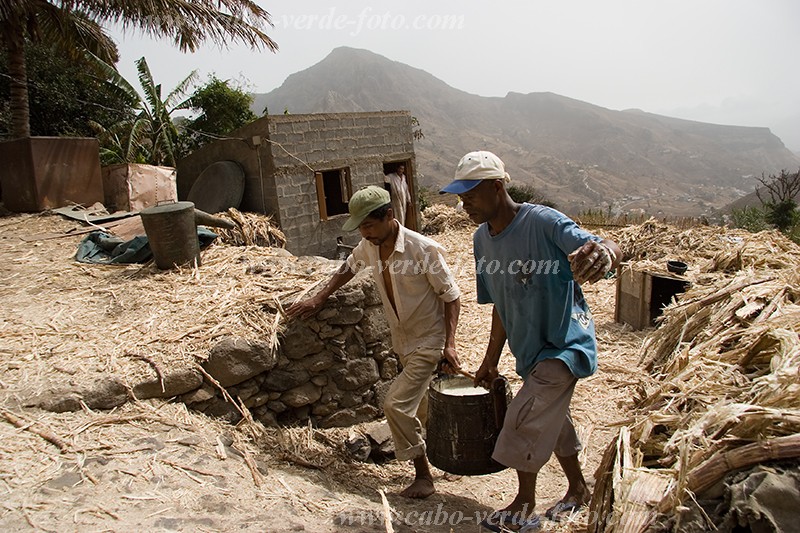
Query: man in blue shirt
[[530, 261]]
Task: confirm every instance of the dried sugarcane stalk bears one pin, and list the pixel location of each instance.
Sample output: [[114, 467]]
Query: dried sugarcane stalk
[[715, 468], [152, 364], [46, 434], [222, 389]]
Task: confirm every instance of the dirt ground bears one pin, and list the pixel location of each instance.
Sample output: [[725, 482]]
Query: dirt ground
[[156, 466]]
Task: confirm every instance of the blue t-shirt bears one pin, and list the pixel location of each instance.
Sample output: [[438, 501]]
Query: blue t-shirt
[[525, 273]]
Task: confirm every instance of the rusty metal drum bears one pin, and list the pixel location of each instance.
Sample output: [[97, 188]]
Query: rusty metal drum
[[463, 424], [172, 232]]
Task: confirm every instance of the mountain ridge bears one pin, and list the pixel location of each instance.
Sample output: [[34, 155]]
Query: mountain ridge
[[580, 155]]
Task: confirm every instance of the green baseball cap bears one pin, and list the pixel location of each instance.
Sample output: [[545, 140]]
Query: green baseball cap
[[364, 202]]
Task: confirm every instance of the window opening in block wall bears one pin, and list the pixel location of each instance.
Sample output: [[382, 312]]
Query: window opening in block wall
[[334, 190]]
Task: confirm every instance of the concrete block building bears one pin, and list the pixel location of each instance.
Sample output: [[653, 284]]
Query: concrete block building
[[302, 170]]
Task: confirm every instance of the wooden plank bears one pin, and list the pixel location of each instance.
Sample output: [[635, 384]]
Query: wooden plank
[[126, 229], [323, 211]]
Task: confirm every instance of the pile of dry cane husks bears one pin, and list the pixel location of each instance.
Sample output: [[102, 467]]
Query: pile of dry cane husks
[[252, 229], [107, 319], [437, 218], [723, 391]]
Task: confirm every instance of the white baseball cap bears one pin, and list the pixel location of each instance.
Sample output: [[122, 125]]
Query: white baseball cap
[[474, 168]]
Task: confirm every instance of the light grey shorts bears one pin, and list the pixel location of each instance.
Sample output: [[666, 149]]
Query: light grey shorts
[[538, 422]]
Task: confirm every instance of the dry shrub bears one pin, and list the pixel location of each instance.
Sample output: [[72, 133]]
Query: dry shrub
[[439, 217]]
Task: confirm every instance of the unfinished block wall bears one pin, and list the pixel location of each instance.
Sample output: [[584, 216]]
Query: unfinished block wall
[[280, 155], [361, 142]]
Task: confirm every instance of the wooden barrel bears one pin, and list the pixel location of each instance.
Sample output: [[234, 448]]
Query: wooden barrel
[[463, 424]]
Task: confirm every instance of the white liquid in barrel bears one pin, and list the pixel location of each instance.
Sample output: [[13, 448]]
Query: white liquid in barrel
[[461, 388]]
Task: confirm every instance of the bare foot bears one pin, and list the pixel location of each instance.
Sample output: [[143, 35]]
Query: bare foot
[[420, 488]]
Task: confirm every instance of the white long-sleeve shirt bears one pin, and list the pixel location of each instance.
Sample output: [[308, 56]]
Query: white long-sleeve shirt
[[421, 284]]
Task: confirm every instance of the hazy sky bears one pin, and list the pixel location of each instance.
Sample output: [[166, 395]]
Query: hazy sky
[[722, 61]]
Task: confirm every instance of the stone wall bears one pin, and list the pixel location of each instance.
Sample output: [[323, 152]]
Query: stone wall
[[333, 369]]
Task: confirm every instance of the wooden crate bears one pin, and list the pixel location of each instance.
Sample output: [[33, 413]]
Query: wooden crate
[[642, 295]]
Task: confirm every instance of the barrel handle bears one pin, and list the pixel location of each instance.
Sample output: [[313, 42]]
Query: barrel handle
[[204, 219], [499, 400]]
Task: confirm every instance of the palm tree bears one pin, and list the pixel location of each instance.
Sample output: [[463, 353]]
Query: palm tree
[[76, 26]]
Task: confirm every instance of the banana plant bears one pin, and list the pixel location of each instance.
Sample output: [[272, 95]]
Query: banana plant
[[150, 136]]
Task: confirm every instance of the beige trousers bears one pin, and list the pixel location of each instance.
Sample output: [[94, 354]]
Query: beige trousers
[[406, 404]]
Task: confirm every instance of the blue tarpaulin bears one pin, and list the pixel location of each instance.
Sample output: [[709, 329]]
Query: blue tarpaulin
[[104, 248]]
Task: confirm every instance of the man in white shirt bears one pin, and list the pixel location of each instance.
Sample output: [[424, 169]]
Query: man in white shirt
[[398, 187], [422, 303]]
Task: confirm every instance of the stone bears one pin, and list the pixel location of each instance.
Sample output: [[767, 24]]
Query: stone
[[378, 431], [257, 400], [355, 347], [275, 406], [268, 419], [332, 390], [384, 452], [349, 417], [326, 313], [381, 390], [299, 341], [358, 446], [106, 394], [374, 326], [348, 315], [223, 410], [149, 443], [283, 380], [371, 294], [283, 361], [244, 390], [67, 480], [389, 368], [206, 392], [356, 374], [175, 384], [58, 401], [382, 351], [305, 394], [234, 360], [319, 362], [338, 353], [352, 293], [326, 397], [367, 396], [349, 399], [326, 331], [323, 409], [320, 381], [302, 412]]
